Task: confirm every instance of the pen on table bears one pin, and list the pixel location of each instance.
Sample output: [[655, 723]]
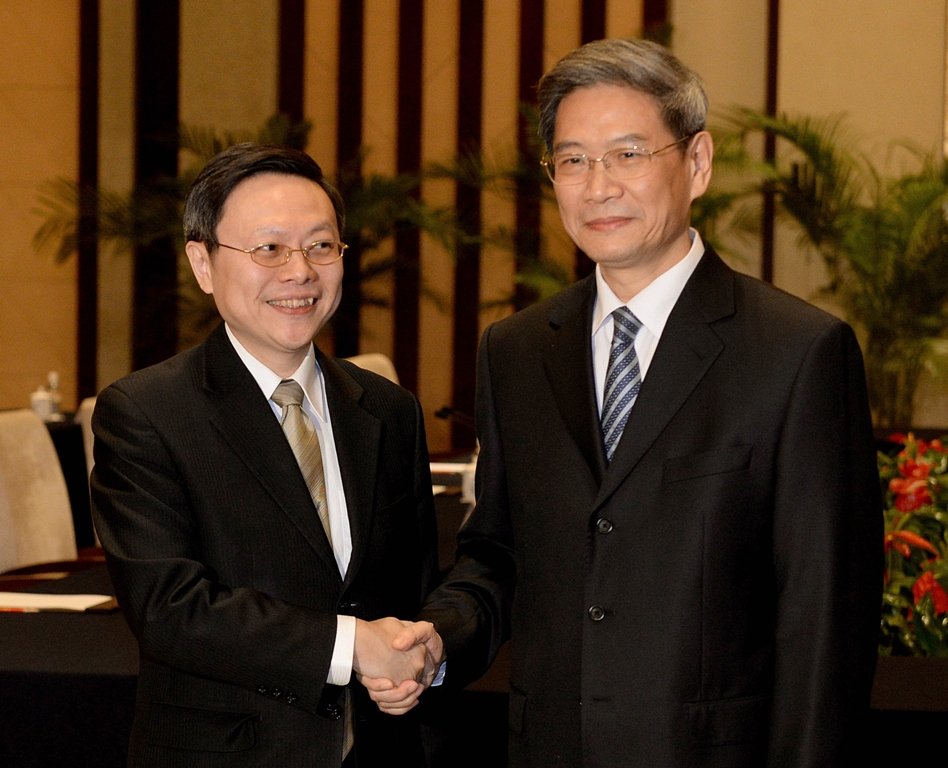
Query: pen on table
[[4, 609]]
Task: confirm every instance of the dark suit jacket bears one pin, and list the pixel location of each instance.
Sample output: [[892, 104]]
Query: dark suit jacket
[[225, 574], [712, 597]]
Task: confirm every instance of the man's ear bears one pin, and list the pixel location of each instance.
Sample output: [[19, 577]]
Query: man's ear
[[200, 264], [700, 157]]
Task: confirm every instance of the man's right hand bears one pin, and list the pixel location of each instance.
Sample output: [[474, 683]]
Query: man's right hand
[[378, 655], [394, 697]]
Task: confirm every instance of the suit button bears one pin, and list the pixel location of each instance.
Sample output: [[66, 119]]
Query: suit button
[[596, 612], [263, 690], [276, 693], [603, 525], [290, 698]]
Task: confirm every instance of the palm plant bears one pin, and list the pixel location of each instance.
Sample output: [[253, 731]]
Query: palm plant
[[376, 205], [884, 241], [147, 213], [150, 213], [519, 176]]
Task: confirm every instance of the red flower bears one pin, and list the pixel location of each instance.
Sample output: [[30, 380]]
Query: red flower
[[914, 470], [915, 496], [902, 541], [910, 494], [927, 584], [915, 544]]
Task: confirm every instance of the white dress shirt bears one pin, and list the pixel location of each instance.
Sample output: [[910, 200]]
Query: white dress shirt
[[652, 306], [309, 377]]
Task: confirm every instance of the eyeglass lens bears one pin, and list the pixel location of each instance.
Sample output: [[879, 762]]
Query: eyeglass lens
[[623, 163], [322, 252]]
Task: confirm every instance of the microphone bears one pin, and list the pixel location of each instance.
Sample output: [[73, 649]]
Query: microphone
[[447, 412]]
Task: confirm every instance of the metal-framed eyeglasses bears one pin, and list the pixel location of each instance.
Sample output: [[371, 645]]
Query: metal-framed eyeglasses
[[622, 163], [320, 253]]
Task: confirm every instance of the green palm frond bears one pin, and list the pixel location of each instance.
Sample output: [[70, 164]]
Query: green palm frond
[[120, 220], [203, 142], [544, 278], [884, 241], [819, 178]]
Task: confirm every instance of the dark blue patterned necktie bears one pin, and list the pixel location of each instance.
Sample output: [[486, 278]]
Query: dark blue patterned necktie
[[623, 378]]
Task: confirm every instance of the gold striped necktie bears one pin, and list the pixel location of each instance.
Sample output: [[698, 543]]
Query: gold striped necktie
[[302, 437]]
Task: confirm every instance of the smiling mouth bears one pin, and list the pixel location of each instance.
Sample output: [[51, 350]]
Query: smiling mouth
[[607, 221], [292, 303]]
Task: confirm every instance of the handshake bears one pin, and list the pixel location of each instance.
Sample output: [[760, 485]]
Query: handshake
[[396, 661]]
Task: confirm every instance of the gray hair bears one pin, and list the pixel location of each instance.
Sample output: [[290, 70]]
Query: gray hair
[[640, 64]]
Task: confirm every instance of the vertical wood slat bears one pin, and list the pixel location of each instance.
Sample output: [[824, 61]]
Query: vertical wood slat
[[768, 205], [467, 270], [408, 160], [291, 48], [528, 189], [592, 27], [155, 279], [348, 146], [87, 321], [593, 20], [654, 16]]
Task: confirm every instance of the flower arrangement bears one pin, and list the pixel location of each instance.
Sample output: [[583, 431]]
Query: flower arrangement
[[915, 593]]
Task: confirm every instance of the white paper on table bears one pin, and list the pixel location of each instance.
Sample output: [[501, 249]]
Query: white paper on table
[[50, 602], [448, 467]]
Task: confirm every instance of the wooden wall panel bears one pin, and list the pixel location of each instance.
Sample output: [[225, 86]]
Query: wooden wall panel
[[394, 78], [422, 103], [448, 108], [39, 131]]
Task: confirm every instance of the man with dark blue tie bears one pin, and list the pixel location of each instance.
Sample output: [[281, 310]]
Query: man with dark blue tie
[[678, 519]]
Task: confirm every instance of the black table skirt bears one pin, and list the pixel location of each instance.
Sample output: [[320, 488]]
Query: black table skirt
[[67, 683], [67, 679]]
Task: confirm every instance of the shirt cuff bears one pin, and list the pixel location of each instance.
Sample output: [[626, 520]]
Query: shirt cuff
[[340, 668], [439, 678]]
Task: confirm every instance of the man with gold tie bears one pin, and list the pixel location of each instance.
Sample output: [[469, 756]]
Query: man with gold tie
[[265, 509]]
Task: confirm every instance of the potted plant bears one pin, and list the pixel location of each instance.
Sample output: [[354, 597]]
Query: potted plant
[[884, 241], [912, 670], [376, 205], [914, 476]]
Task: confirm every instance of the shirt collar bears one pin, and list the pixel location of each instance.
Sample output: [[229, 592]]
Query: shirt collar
[[654, 303], [307, 375]]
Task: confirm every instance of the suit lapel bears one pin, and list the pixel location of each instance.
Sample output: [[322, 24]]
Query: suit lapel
[[358, 434], [568, 363], [688, 348], [243, 417]]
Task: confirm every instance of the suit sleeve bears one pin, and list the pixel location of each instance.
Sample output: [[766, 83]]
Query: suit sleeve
[[471, 609], [181, 611], [827, 559], [425, 509]]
